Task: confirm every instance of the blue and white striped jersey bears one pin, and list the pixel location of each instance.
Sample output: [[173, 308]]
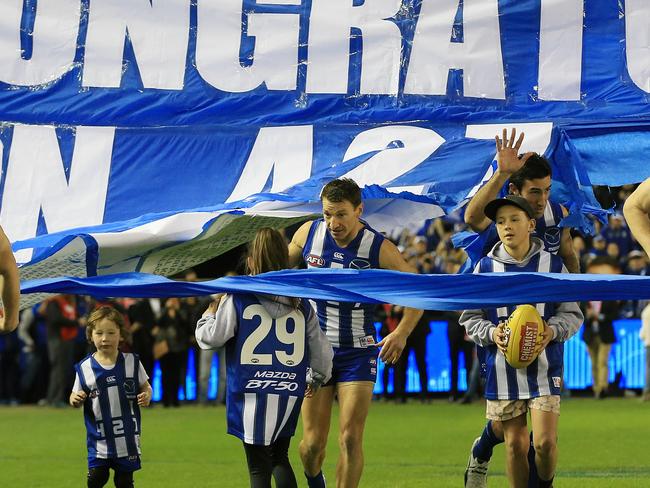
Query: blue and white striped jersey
[[111, 410], [345, 324], [266, 364], [544, 375]]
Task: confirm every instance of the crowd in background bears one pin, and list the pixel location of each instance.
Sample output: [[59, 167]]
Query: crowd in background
[[36, 361]]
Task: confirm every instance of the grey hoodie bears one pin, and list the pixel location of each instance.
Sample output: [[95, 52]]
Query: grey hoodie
[[213, 331], [565, 323]]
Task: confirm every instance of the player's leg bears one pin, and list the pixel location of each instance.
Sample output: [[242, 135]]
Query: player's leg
[[481, 453], [97, 476], [517, 441], [123, 479], [603, 368], [258, 459], [316, 413], [592, 349], [205, 367], [354, 402], [282, 470], [545, 414]]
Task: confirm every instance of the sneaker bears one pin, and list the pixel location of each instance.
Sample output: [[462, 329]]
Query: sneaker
[[476, 472]]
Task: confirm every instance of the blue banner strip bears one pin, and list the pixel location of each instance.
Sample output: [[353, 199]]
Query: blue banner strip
[[429, 292]]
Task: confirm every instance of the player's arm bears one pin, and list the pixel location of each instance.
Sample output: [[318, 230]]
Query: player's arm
[[566, 321], [77, 398], [320, 354], [145, 394], [479, 329], [78, 395], [11, 290], [508, 162], [215, 328], [393, 344], [298, 243], [637, 211], [566, 251]]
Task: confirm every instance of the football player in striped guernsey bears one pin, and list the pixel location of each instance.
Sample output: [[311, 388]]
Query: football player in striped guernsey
[[342, 240], [111, 386], [528, 176], [511, 392], [276, 354]]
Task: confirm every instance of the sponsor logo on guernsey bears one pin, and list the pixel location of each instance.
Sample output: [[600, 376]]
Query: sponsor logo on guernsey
[[359, 264], [93, 393], [313, 260], [366, 341], [557, 381], [111, 379], [339, 256], [528, 341], [282, 375], [263, 384]]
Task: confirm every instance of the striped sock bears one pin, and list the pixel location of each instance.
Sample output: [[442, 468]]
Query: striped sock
[[483, 448]]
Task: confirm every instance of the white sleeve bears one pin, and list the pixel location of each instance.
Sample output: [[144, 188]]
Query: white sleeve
[[320, 349], [77, 383], [213, 331], [142, 374]]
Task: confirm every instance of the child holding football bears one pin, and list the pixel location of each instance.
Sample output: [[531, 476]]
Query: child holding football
[[276, 353], [511, 392], [111, 386]]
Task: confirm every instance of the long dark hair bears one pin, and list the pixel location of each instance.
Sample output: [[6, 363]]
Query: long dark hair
[[268, 252]]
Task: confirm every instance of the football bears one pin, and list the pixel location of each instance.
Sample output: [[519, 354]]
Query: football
[[523, 331]]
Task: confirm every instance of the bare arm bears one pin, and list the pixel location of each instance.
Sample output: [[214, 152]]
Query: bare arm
[[11, 289], [298, 243], [508, 162], [393, 344], [566, 251], [145, 394], [637, 212]]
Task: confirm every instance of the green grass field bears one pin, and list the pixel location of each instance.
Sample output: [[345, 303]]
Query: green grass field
[[602, 444]]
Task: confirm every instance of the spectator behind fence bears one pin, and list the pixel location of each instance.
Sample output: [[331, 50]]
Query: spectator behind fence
[[598, 331], [62, 329], [644, 334]]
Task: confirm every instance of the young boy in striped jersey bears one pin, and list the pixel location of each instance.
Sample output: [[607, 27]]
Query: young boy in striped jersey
[[270, 341], [511, 392], [111, 386]]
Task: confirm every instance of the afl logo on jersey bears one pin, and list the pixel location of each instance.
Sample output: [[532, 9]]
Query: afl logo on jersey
[[313, 260], [359, 264]]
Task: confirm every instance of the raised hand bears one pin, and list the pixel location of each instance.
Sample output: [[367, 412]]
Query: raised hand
[[508, 159]]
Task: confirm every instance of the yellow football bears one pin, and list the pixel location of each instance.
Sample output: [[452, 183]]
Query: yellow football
[[523, 331]]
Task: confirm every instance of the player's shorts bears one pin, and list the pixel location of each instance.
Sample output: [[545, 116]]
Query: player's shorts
[[122, 465], [503, 410], [354, 364]]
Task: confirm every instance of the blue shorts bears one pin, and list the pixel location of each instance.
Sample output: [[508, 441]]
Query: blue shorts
[[122, 465], [354, 364]]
